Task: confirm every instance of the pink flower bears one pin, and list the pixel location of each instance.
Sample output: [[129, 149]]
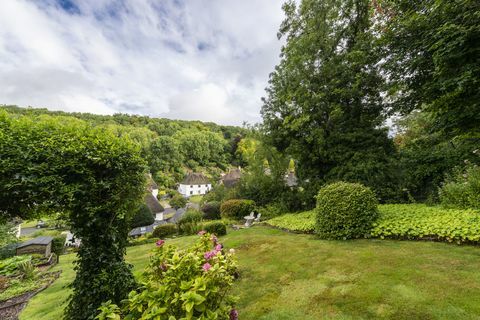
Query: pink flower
[[218, 247], [209, 255], [202, 232], [233, 314], [206, 267], [160, 243]]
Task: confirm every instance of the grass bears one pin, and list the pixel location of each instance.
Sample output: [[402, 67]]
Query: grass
[[195, 199], [295, 276]]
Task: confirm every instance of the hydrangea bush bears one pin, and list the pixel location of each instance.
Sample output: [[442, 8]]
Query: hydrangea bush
[[193, 283]]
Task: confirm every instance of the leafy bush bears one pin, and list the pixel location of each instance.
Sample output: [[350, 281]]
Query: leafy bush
[[303, 222], [236, 208], [272, 210], [58, 244], [164, 230], [462, 190], [143, 217], [8, 251], [27, 270], [418, 221], [216, 227], [190, 222], [181, 284], [140, 241], [178, 201], [345, 211], [9, 267], [211, 210]]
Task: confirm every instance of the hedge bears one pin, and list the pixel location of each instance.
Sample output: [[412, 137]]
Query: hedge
[[404, 221], [164, 230], [345, 211], [236, 208], [216, 227], [211, 210]]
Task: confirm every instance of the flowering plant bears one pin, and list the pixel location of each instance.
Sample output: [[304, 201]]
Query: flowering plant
[[193, 283]]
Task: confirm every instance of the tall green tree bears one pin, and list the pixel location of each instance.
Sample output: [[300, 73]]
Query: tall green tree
[[97, 179], [324, 105], [432, 50]]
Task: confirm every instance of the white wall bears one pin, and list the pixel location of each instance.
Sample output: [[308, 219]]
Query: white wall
[[155, 192], [192, 190], [159, 216]]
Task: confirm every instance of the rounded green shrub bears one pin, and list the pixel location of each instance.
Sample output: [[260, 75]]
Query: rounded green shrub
[[164, 230], [211, 210], [236, 208], [190, 222], [178, 201], [216, 227], [345, 211]]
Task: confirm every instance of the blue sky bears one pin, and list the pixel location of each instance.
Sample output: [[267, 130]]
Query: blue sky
[[183, 59]]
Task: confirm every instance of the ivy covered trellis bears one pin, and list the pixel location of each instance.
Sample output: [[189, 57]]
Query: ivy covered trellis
[[96, 178]]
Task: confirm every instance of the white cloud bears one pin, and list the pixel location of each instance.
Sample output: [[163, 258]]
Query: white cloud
[[195, 59]]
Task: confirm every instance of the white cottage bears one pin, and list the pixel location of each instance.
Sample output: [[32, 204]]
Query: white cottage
[[194, 184]]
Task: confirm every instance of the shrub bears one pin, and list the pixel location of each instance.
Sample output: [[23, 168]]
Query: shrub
[[303, 222], [9, 267], [178, 201], [462, 190], [216, 227], [272, 210], [190, 222], [236, 208], [345, 211], [143, 217], [8, 251], [211, 210], [140, 241], [418, 221], [58, 244], [164, 230], [27, 270], [181, 284]]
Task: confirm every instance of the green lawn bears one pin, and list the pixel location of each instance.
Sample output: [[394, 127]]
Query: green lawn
[[293, 276]]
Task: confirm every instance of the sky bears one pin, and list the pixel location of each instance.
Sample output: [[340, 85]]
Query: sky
[[203, 60]]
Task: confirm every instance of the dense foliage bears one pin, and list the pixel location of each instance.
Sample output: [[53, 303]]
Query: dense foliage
[[423, 222], [324, 105], [345, 211], [182, 284], [462, 190], [164, 230], [178, 201], [64, 165], [211, 210], [303, 222], [236, 208], [142, 217], [189, 223], [215, 227], [171, 147], [431, 52]]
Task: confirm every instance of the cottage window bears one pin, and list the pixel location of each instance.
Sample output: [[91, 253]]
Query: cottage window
[[191, 192], [191, 186]]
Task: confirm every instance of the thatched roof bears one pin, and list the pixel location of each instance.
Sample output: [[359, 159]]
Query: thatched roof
[[195, 179], [152, 203], [232, 177]]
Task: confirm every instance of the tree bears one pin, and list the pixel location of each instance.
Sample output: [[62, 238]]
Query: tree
[[431, 49], [64, 165], [324, 105], [178, 201], [143, 217]]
